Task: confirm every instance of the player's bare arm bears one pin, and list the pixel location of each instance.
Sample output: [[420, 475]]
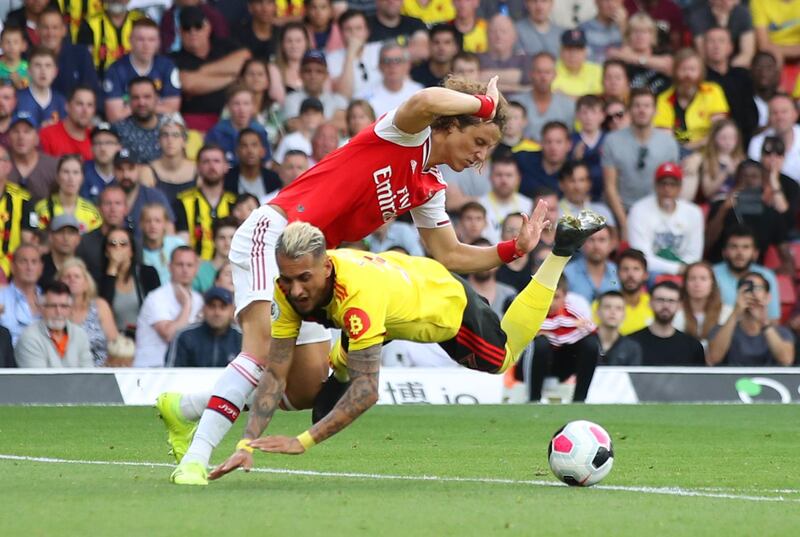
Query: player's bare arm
[[363, 367], [444, 246], [265, 402], [418, 112]]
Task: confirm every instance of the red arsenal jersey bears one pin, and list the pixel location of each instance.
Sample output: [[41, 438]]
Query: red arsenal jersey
[[379, 174]]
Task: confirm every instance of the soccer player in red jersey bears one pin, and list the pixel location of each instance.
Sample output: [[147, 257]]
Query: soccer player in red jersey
[[384, 171]]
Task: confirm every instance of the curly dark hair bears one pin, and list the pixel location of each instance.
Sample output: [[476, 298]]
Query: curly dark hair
[[463, 121]]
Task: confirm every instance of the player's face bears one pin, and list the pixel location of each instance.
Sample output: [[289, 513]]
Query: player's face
[[305, 281], [611, 311], [632, 275], [471, 146], [144, 43], [70, 177]]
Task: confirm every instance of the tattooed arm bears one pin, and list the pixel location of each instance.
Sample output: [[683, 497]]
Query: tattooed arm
[[270, 388], [363, 367], [265, 401]]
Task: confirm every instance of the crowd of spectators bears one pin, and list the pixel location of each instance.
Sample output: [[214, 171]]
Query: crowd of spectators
[[135, 135]]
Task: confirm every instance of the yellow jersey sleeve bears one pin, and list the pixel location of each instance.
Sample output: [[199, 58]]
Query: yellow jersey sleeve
[[796, 92], [42, 213], [665, 112], [285, 321], [717, 102], [363, 318]]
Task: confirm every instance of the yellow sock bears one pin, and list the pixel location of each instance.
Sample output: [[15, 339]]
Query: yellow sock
[[528, 311]]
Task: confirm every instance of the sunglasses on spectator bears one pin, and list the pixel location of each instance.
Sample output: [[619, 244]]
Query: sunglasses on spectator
[[393, 61], [114, 242], [616, 115], [195, 26], [642, 155], [772, 152]]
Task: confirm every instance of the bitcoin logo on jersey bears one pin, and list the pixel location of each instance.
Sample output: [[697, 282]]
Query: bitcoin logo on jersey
[[356, 322]]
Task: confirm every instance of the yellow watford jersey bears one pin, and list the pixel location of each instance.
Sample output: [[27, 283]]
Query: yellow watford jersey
[[196, 216], [76, 11], [377, 298], [109, 42], [86, 213], [15, 216], [434, 12]]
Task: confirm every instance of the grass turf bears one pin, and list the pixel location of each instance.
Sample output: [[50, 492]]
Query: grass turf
[[737, 450]]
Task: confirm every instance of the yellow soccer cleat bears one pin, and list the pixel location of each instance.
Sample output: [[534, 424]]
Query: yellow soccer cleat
[[180, 430], [189, 473]]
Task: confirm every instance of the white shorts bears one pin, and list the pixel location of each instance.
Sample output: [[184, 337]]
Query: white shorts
[[254, 268]]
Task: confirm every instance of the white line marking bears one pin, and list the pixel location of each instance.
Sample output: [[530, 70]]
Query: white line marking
[[666, 491]]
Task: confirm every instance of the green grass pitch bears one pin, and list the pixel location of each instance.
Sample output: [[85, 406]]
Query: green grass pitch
[[679, 470]]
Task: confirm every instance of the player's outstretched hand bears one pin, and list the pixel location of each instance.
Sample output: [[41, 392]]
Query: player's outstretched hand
[[289, 445], [491, 91], [240, 459], [532, 227]]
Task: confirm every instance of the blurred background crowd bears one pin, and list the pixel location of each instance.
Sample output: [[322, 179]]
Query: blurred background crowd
[[135, 136]]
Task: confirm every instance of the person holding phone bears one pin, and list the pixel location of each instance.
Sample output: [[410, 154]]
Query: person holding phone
[[749, 338], [750, 203]]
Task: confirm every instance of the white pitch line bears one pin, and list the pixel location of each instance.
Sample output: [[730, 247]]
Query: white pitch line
[[666, 491]]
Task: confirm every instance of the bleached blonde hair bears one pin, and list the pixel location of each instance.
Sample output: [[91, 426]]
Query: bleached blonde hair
[[299, 239]]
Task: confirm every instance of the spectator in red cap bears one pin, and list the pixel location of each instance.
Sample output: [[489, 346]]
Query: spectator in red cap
[[668, 230]]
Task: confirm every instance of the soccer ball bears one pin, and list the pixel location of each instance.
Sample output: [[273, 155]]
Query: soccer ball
[[580, 453]]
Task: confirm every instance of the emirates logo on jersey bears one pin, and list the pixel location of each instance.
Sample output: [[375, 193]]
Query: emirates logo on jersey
[[389, 201]]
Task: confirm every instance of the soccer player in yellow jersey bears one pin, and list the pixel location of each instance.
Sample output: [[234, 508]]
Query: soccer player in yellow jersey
[[377, 298]]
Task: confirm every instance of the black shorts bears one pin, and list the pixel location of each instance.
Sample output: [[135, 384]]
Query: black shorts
[[480, 343]]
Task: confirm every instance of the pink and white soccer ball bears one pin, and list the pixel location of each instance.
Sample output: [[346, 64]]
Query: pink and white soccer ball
[[580, 453]]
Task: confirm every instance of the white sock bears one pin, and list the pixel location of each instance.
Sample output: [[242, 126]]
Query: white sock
[[193, 404], [237, 382]]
